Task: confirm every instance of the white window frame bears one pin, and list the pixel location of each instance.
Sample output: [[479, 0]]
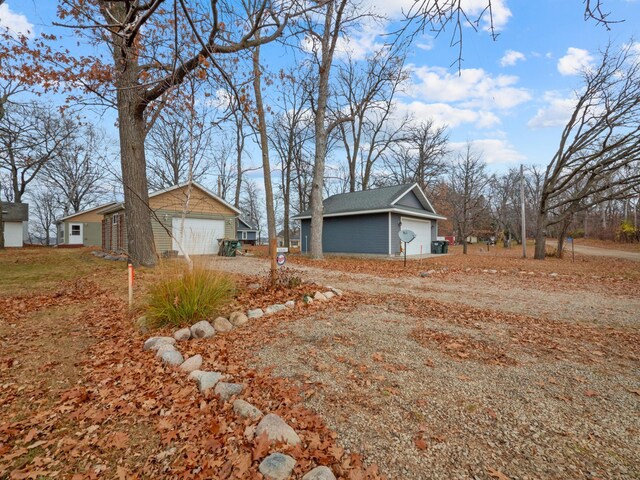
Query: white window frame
[[75, 234], [114, 219], [243, 235]]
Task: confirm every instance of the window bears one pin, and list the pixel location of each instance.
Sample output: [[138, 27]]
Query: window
[[244, 235], [75, 230], [115, 219]]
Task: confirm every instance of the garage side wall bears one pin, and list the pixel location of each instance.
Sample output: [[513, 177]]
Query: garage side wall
[[351, 234]]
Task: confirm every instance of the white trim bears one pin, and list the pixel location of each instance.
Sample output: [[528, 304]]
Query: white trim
[[99, 207], [422, 194], [384, 210]]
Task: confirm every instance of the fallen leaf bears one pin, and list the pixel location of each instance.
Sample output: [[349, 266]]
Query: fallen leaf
[[496, 474], [420, 443]]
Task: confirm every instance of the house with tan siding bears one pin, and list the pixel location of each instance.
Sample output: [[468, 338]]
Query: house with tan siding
[[181, 220], [81, 228]]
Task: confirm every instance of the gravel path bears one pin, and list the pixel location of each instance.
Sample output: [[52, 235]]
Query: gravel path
[[505, 292], [421, 414], [599, 252]]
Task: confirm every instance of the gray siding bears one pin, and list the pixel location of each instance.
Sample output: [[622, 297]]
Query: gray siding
[[410, 200], [251, 235], [351, 234], [395, 229]]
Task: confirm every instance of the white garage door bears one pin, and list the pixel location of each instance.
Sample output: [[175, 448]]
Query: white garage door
[[13, 234], [422, 229], [199, 236]]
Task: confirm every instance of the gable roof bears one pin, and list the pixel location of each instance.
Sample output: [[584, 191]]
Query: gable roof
[[88, 210], [119, 206], [377, 200], [250, 226]]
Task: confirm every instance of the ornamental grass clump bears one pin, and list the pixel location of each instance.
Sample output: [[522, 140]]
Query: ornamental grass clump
[[189, 296]]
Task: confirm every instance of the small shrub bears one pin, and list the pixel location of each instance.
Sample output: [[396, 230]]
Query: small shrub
[[627, 232], [188, 296]]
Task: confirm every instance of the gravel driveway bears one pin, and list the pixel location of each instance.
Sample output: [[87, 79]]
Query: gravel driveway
[[470, 376]]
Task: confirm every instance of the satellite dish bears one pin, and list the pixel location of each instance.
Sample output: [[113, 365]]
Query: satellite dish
[[406, 235]]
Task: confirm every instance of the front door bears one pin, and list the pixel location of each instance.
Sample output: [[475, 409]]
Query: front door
[[75, 234]]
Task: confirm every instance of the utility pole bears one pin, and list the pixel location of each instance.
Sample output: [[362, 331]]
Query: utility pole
[[524, 226]]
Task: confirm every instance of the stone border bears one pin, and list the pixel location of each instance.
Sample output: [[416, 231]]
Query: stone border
[[275, 466]]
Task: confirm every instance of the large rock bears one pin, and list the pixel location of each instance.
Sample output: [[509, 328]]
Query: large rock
[[277, 430], [153, 343], [275, 308], [337, 291], [202, 329], [329, 294], [238, 318], [182, 334], [319, 296], [225, 390], [290, 304], [196, 374], [208, 380], [320, 473], [277, 466], [192, 363], [221, 324], [167, 347], [173, 358], [255, 313], [246, 410]]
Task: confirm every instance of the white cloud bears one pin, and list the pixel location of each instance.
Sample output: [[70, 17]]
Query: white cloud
[[555, 114], [511, 57], [473, 88], [445, 114], [14, 23], [393, 9], [575, 61], [494, 151]]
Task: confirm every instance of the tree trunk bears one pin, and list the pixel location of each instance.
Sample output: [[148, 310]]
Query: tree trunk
[[561, 236], [464, 246], [541, 238], [132, 130], [266, 166], [239, 150]]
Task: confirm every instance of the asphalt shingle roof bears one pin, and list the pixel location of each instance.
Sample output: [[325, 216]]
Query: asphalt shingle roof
[[376, 199]]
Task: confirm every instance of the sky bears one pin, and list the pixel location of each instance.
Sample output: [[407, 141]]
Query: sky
[[511, 96]]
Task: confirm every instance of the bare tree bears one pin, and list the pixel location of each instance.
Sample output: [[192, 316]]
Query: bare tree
[[323, 26], [169, 143], [250, 202], [421, 155], [77, 172], [599, 147], [367, 89], [290, 132], [30, 136], [468, 181], [46, 208]]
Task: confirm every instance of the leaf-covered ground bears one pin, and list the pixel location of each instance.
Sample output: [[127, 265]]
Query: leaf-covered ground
[[488, 367], [80, 399]]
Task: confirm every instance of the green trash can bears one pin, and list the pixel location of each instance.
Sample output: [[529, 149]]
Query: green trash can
[[436, 247], [445, 247]]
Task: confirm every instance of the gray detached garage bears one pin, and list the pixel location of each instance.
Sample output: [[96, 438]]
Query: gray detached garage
[[369, 221]]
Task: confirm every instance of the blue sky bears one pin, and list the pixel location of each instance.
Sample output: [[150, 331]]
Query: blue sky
[[511, 96]]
